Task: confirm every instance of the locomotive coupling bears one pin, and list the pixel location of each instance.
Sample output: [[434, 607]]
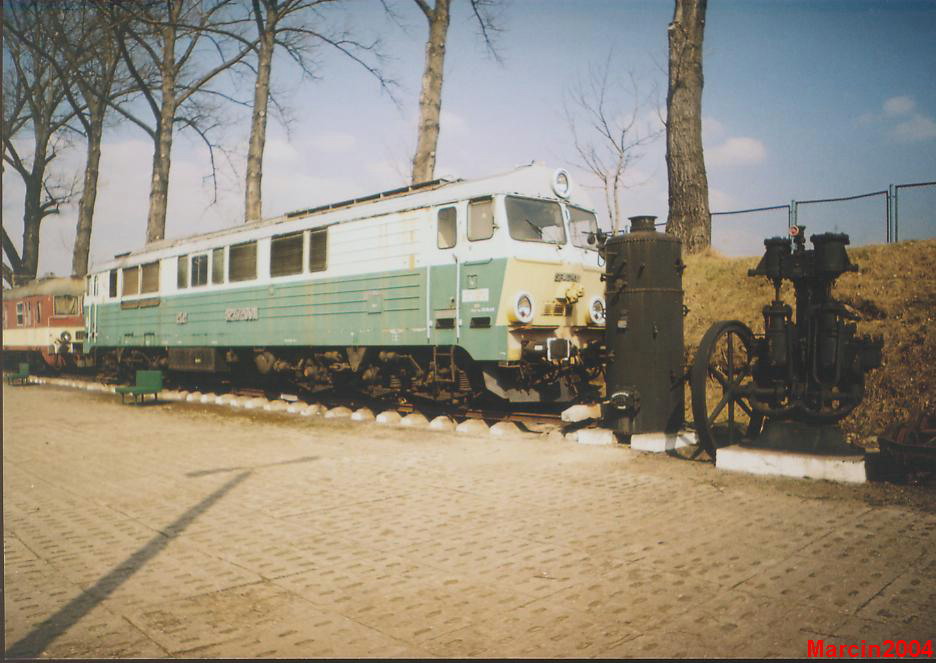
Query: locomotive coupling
[[551, 349]]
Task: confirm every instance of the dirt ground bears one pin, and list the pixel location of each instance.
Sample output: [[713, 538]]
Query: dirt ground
[[198, 531]]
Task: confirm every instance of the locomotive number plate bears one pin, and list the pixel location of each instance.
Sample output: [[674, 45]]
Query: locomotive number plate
[[236, 314]]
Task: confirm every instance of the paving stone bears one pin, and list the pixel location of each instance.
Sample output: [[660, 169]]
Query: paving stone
[[197, 533]]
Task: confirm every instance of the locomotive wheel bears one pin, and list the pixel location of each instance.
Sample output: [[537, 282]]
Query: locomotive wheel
[[722, 367]]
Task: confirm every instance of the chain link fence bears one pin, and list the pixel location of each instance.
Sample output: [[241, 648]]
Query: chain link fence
[[901, 212]]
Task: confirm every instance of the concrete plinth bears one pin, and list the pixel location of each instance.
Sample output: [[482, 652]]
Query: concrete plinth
[[663, 442], [846, 469], [581, 412], [595, 436]]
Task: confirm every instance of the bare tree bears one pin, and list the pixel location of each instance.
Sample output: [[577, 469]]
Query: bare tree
[[34, 102], [430, 97], [287, 24], [165, 45], [689, 217], [85, 54], [608, 139]]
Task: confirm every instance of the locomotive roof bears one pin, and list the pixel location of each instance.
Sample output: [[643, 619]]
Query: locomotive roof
[[59, 285], [534, 179]]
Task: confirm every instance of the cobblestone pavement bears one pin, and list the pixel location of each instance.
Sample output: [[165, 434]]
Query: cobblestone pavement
[[190, 530]]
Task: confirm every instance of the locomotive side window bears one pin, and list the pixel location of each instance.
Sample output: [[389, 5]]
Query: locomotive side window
[[65, 305], [318, 250], [481, 219], [131, 280], [112, 290], [532, 220], [150, 279], [582, 224], [199, 270], [447, 235], [217, 266], [19, 314], [182, 272], [243, 262], [286, 254]]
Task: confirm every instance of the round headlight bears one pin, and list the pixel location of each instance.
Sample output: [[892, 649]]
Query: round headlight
[[596, 310], [560, 183], [523, 308]]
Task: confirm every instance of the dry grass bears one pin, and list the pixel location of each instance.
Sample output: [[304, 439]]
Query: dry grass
[[895, 290]]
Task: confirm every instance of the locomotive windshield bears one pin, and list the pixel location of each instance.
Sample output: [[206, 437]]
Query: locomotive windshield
[[535, 220], [582, 223]]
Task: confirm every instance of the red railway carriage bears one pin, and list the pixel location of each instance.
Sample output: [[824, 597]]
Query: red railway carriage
[[43, 323]]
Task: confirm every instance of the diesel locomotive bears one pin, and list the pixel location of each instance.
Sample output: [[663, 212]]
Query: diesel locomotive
[[43, 324], [449, 289]]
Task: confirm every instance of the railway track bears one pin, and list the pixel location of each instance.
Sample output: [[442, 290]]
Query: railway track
[[535, 419]]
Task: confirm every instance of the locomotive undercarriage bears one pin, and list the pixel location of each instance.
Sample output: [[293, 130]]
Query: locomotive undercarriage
[[446, 374]]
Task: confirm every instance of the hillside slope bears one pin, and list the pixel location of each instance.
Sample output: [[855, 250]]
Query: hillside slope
[[895, 291]]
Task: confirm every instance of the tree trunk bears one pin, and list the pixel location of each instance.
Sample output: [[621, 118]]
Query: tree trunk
[[689, 217], [162, 148], [430, 99], [253, 209], [32, 207], [89, 191], [32, 219]]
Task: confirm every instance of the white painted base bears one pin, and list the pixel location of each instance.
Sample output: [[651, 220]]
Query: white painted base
[[846, 469], [582, 412], [662, 442], [603, 436]]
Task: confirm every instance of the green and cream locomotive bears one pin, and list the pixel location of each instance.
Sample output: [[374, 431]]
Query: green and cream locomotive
[[447, 290]]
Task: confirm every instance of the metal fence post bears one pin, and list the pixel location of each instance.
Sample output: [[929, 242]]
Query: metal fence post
[[896, 207], [888, 197]]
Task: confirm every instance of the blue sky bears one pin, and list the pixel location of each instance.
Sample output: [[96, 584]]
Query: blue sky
[[802, 100]]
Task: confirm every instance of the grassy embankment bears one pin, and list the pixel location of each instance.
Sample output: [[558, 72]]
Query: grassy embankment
[[895, 291]]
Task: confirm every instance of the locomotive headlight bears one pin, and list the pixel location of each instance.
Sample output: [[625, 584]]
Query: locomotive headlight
[[560, 183], [596, 310], [523, 308]]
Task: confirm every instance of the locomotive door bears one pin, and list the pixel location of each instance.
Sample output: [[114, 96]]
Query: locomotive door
[[443, 292]]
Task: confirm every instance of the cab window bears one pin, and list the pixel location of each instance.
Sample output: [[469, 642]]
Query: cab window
[[480, 219], [447, 230], [532, 220], [65, 305], [583, 225]]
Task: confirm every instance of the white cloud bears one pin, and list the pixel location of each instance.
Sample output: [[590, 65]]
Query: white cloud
[[918, 127], [719, 201], [901, 120], [736, 151], [332, 142], [712, 129], [452, 122], [899, 105]]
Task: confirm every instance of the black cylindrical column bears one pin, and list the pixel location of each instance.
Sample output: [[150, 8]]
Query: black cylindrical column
[[644, 330]]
